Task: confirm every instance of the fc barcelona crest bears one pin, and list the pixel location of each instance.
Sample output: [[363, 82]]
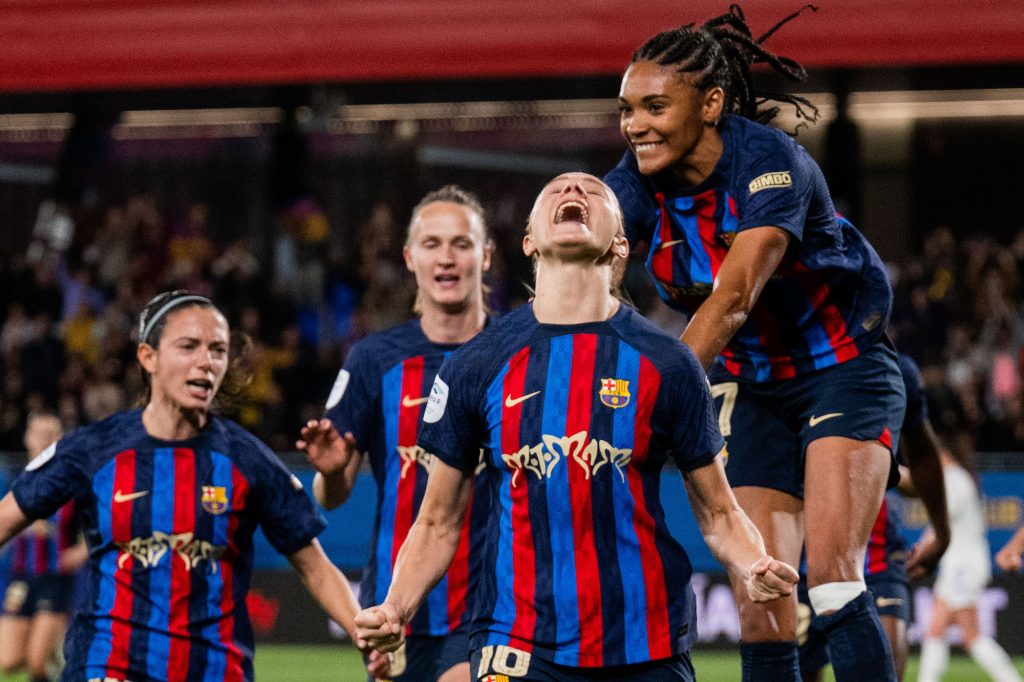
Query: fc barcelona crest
[[614, 392], [215, 499]]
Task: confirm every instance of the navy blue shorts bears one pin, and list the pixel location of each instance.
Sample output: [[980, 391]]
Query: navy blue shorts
[[27, 596], [454, 649], [426, 658], [506, 664], [768, 426]]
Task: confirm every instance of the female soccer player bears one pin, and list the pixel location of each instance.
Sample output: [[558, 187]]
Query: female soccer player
[[577, 403], [45, 558], [787, 305], [169, 497], [963, 573], [377, 403]]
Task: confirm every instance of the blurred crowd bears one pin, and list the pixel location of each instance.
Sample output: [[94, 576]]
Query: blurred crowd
[[68, 307], [68, 312], [958, 312]]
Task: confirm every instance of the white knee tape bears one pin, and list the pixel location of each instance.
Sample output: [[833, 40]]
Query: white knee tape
[[831, 597]]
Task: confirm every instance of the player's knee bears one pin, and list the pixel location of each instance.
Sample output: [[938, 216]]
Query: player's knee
[[831, 597], [10, 665]]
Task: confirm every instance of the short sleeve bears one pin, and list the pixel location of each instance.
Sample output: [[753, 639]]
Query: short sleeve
[[776, 190], [452, 428], [53, 478], [695, 438], [286, 513], [353, 402], [917, 404], [638, 210]]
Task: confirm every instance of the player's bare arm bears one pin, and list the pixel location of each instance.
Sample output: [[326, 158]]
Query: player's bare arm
[[332, 591], [335, 458], [1009, 557], [921, 446], [733, 538], [752, 260], [12, 519], [424, 558]]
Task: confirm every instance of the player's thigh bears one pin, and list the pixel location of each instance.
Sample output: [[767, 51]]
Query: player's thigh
[[13, 636], [45, 634], [967, 619], [779, 518], [940, 619]]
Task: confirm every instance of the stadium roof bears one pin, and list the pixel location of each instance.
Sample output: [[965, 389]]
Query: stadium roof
[[62, 45]]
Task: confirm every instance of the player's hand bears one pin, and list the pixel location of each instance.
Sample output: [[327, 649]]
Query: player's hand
[[326, 449], [770, 579], [378, 665], [381, 627], [1008, 558], [924, 557]]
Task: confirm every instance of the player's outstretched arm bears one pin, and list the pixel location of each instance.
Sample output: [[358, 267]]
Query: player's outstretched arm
[[331, 589], [733, 538], [424, 558], [921, 448], [752, 260], [12, 519], [1009, 557], [335, 459]]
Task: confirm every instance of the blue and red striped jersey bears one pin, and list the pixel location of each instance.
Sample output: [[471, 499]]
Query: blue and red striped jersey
[[169, 527], [38, 549], [576, 423], [887, 550], [830, 297], [379, 396]]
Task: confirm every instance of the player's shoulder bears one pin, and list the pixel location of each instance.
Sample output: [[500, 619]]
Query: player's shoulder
[[395, 342], [756, 147], [119, 431], [236, 441], [667, 353], [493, 346]]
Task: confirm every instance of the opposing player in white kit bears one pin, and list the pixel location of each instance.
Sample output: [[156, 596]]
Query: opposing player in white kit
[[964, 571]]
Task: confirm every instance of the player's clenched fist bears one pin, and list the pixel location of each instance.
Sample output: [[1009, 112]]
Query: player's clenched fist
[[381, 627], [770, 579]]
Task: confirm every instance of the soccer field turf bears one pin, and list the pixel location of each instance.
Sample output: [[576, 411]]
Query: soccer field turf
[[342, 664]]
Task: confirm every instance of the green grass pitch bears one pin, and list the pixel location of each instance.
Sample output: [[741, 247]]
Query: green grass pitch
[[343, 664], [276, 663]]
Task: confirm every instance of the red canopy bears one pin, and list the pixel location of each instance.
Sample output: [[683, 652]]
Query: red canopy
[[106, 44]]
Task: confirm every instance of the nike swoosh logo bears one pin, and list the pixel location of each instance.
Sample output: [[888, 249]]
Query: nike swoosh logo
[[122, 497], [509, 402], [413, 402], [882, 602], [814, 421], [665, 245]]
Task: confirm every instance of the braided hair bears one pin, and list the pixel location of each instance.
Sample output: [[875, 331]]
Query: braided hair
[[720, 53]]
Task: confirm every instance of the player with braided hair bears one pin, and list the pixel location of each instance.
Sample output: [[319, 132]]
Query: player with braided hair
[[787, 304]]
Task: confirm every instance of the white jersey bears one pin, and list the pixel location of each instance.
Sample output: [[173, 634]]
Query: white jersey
[[966, 566]]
